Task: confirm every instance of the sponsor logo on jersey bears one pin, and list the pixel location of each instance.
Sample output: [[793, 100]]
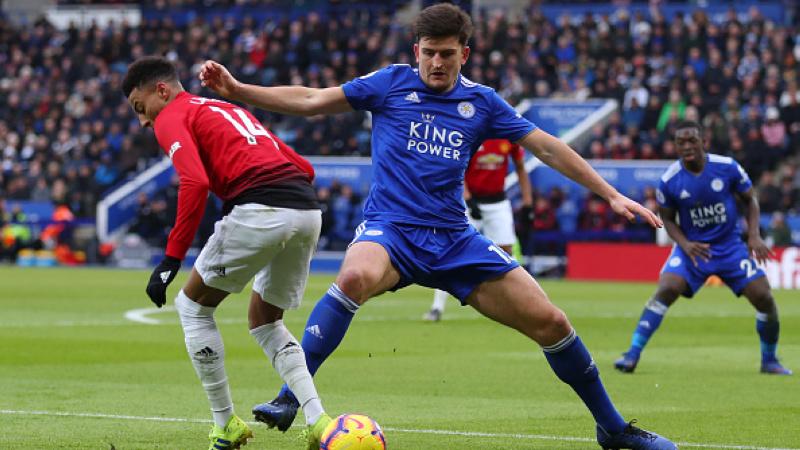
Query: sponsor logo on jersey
[[426, 138], [685, 194], [174, 148], [705, 215], [413, 97], [717, 185], [373, 232], [490, 161], [466, 109]]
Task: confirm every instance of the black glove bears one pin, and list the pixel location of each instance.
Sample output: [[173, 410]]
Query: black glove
[[474, 209], [162, 276], [526, 217]]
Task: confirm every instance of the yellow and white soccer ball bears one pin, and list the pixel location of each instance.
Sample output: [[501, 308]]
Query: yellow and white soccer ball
[[353, 432]]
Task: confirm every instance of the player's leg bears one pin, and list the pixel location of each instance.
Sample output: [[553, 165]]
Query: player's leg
[[498, 225], [760, 296], [195, 305], [743, 276], [516, 300], [366, 271], [670, 287], [437, 308], [279, 286]]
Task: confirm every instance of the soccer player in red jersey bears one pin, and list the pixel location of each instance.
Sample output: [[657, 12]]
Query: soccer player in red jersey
[[489, 209], [269, 230]]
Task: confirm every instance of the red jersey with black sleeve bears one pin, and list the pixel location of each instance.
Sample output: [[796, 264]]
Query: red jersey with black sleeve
[[219, 147], [487, 170]]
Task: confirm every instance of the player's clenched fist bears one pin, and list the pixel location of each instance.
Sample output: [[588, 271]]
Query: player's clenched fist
[[162, 276], [216, 77]]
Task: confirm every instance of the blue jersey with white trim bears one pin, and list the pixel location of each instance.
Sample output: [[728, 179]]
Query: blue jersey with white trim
[[705, 202], [422, 142]]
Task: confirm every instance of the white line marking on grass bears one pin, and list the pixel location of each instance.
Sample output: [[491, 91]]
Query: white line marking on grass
[[538, 437], [140, 315], [454, 317]]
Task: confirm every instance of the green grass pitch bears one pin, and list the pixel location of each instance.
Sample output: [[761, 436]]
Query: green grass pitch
[[76, 374]]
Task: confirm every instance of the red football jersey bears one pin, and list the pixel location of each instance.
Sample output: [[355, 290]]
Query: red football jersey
[[487, 170], [217, 146]]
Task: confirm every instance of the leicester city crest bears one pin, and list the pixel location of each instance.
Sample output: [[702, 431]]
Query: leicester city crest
[[466, 109]]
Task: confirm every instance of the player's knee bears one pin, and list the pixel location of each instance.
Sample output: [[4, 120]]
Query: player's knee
[[667, 294], [764, 303], [353, 283], [554, 327]]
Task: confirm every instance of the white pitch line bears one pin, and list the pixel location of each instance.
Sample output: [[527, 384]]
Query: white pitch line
[[299, 319], [141, 315], [538, 437]]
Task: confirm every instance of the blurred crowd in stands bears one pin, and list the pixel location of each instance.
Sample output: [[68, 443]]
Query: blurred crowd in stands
[[67, 134]]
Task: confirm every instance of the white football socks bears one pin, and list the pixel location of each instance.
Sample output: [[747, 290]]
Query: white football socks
[[204, 344], [439, 299], [288, 359]]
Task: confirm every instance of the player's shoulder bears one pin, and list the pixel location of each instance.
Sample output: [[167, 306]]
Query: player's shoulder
[[713, 158], [466, 83], [673, 169], [392, 71]]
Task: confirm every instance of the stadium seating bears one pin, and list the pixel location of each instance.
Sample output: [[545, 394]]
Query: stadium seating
[[67, 134]]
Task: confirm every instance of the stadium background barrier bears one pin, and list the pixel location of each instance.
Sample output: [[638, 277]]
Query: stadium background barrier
[[589, 261]]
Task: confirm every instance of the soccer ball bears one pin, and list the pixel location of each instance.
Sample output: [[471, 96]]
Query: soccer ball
[[353, 432]]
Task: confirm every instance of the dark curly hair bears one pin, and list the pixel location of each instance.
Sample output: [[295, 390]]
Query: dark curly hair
[[148, 69], [443, 20]]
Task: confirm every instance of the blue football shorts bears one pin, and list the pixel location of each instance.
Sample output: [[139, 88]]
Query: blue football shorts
[[731, 262], [453, 260]]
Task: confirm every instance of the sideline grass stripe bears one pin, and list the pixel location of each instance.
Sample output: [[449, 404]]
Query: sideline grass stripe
[[540, 437]]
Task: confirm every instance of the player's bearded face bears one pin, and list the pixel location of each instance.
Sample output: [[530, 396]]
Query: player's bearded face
[[689, 143], [440, 61]]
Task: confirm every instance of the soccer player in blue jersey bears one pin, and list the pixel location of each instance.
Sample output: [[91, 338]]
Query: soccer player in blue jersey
[[702, 190], [427, 122]]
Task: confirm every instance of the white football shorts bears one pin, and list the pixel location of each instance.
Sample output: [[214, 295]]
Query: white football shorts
[[274, 244], [497, 222]]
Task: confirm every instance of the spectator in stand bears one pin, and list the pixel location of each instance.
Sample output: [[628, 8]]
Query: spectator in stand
[[774, 132], [769, 195], [672, 111], [59, 96], [594, 217], [779, 234], [790, 196]]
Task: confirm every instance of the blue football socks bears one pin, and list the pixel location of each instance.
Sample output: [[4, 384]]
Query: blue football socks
[[649, 322], [325, 328], [573, 364], [768, 331]]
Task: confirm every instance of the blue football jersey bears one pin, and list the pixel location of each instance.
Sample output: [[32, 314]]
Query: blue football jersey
[[422, 142], [705, 203]]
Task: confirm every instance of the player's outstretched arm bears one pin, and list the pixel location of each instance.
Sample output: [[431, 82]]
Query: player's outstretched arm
[[293, 100], [558, 155]]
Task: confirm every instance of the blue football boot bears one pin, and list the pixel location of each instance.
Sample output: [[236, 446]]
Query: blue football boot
[[280, 412], [633, 438], [774, 368], [626, 364]]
